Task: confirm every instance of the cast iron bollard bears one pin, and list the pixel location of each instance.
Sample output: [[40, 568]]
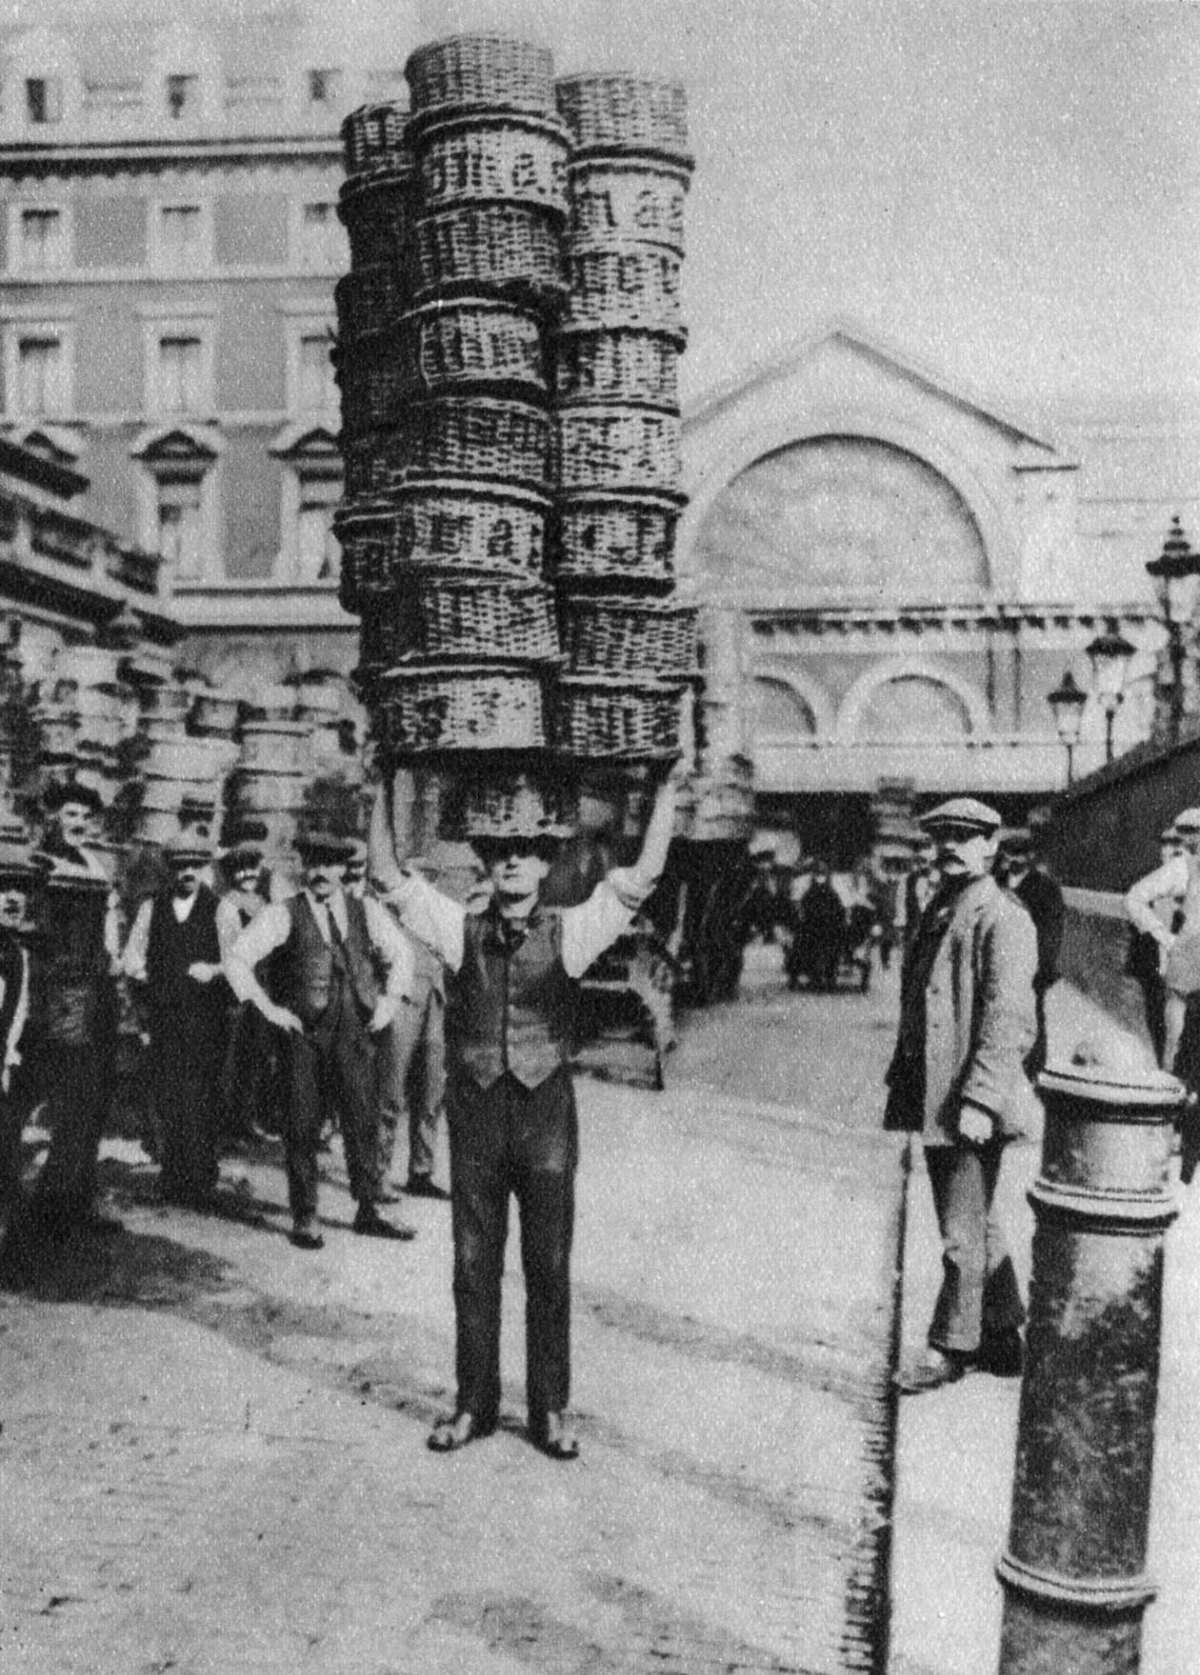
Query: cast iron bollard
[[1075, 1585]]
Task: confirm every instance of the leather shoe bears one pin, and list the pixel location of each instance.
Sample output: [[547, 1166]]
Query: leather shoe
[[305, 1236], [1002, 1354], [424, 1186], [448, 1435], [930, 1374], [555, 1437], [369, 1222], [389, 1195]]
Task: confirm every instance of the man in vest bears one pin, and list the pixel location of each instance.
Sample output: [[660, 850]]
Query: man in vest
[[249, 1080], [1177, 933], [79, 941], [326, 952], [174, 955], [512, 971], [17, 874]]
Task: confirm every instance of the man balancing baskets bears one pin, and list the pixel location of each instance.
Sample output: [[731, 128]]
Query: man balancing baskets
[[512, 973]]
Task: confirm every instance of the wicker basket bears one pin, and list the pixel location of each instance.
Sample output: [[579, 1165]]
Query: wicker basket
[[374, 137], [621, 635], [621, 364], [372, 300], [617, 719], [467, 618], [618, 447], [470, 343], [378, 216], [507, 803], [607, 537], [626, 113], [477, 436], [459, 527], [624, 285], [374, 464], [493, 157], [616, 199], [510, 249], [367, 533], [427, 708], [466, 341], [468, 72]]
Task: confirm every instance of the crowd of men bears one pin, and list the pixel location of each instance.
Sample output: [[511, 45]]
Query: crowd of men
[[361, 994]]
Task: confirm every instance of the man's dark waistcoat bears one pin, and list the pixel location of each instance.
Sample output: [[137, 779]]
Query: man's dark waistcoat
[[304, 967], [510, 1006]]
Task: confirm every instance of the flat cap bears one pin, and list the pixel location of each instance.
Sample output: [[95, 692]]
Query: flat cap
[[329, 847], [1187, 821], [961, 811], [184, 851]]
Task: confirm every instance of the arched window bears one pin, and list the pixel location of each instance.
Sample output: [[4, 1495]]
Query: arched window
[[913, 708], [777, 708]]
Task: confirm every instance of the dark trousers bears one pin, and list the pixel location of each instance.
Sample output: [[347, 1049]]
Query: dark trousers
[[979, 1297], [331, 1067], [510, 1139], [78, 1085], [187, 1053], [412, 1081]]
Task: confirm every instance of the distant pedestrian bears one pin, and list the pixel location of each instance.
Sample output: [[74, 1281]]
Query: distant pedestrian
[[818, 933], [321, 988], [1155, 907], [956, 1078], [1178, 936], [79, 947], [173, 955], [512, 971], [1019, 869], [17, 874]]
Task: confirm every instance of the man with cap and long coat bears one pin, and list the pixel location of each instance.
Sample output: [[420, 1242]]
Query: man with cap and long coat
[[249, 1091], [512, 971], [174, 956], [1177, 934], [79, 958], [957, 1079], [323, 989]]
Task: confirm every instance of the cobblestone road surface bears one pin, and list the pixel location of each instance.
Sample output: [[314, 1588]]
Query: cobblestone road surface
[[213, 1445]]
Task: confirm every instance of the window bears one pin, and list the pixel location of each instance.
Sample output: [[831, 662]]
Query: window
[[42, 240], [43, 99], [316, 548], [316, 387], [321, 238], [181, 522], [324, 86], [41, 374], [180, 240], [182, 96], [180, 387]]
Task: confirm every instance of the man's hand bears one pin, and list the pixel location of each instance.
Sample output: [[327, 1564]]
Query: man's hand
[[203, 971], [283, 1019], [383, 1015], [975, 1125]]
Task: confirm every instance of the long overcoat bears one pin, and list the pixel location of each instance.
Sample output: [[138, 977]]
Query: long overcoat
[[979, 1021]]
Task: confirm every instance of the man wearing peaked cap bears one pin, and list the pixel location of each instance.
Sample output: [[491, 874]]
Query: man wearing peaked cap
[[956, 1078], [173, 955], [17, 875], [1165, 905], [323, 993]]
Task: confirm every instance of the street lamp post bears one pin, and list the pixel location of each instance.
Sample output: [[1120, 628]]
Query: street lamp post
[[1174, 574], [1067, 702], [1109, 655]]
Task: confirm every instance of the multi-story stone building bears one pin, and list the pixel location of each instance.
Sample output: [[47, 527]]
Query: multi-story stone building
[[170, 243]]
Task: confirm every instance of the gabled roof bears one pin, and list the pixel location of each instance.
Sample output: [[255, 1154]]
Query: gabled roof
[[840, 328]]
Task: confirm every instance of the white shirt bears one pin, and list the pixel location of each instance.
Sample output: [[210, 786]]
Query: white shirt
[[272, 927], [587, 929], [1166, 884]]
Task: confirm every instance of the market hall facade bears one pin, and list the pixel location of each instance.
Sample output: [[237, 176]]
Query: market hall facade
[[892, 573]]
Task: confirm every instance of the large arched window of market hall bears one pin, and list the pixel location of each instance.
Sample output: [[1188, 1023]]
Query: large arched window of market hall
[[913, 709], [844, 518]]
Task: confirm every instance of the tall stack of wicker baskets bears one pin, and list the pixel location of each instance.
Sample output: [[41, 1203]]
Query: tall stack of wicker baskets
[[446, 428], [509, 392], [630, 647]]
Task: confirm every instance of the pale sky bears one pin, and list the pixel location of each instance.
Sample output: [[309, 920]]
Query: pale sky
[[1008, 190]]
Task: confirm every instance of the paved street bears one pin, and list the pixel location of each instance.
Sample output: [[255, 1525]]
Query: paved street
[[213, 1444]]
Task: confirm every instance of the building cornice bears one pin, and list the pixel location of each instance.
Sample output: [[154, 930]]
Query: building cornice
[[148, 155]]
